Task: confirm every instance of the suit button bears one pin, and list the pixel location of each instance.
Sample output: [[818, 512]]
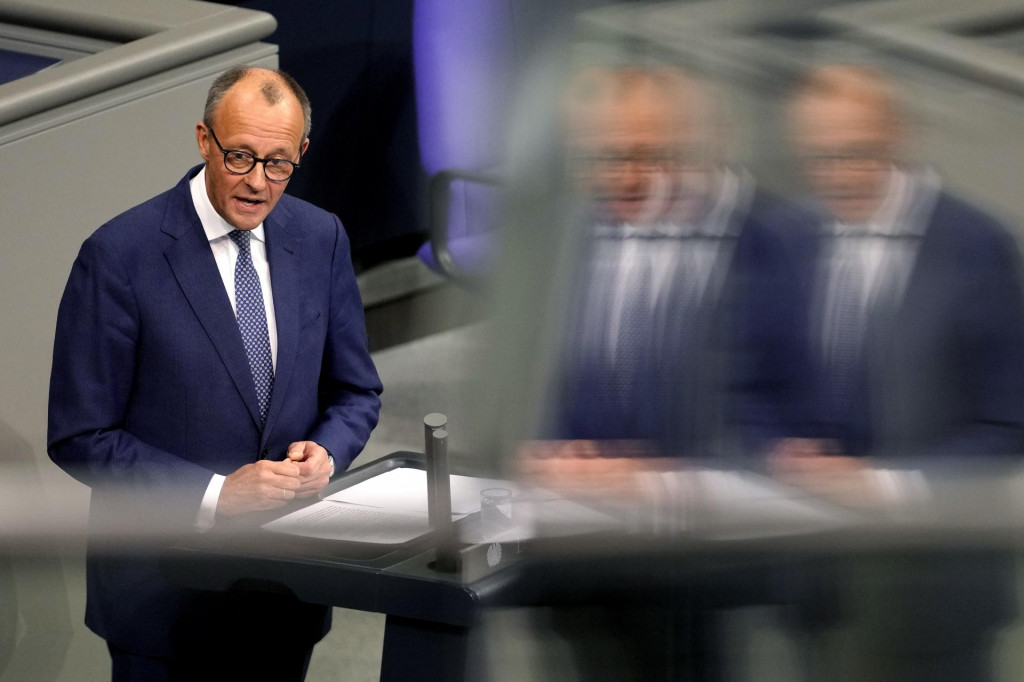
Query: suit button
[[263, 453]]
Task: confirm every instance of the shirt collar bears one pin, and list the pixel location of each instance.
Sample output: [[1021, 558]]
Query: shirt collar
[[214, 225]]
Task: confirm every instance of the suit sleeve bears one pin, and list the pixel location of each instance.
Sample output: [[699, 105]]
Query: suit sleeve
[[91, 383], [769, 393], [992, 353], [349, 386]]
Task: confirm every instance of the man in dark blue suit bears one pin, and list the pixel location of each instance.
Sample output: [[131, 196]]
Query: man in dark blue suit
[[674, 240], [908, 343], [915, 310], [674, 237], [210, 361]]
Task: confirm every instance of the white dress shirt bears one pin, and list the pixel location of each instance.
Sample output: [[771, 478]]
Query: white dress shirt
[[883, 250], [225, 252], [679, 257]]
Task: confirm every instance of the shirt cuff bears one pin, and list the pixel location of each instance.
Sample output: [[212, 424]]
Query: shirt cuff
[[330, 460], [208, 507], [902, 487]]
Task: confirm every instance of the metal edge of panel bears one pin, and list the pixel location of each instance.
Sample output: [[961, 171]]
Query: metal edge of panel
[[939, 47], [937, 37], [720, 44], [77, 21], [118, 20], [954, 14], [47, 43], [88, 106], [132, 61]]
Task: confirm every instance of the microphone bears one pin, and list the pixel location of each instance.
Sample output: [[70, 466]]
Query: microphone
[[439, 499]]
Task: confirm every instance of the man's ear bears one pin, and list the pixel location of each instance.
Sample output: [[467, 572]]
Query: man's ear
[[305, 146], [202, 140]]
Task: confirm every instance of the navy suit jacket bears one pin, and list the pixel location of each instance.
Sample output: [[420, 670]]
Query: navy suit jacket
[[945, 365], [944, 389], [151, 391], [687, 404]]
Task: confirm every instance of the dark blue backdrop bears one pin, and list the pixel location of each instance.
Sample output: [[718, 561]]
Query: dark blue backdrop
[[354, 59]]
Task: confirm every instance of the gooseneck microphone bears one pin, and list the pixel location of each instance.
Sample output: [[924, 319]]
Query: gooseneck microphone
[[439, 499]]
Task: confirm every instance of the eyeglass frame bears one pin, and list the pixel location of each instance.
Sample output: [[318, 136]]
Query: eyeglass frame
[[858, 159], [255, 160], [654, 158]]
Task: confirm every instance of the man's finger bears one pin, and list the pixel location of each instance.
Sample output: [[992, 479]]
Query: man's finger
[[283, 468], [281, 494], [319, 476], [297, 451]]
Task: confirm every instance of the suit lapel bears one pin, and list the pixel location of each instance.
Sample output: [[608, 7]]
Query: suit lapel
[[285, 270], [195, 269]]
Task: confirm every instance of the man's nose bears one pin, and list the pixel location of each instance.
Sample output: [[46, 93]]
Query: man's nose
[[256, 179]]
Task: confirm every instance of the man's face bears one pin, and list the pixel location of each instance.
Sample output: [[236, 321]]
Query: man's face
[[847, 147], [245, 121], [636, 148]]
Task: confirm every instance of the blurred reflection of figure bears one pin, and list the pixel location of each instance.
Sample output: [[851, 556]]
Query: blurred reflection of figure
[[918, 325], [671, 236], [671, 230], [915, 348]]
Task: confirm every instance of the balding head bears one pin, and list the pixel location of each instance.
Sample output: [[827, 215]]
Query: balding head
[[645, 135], [274, 87], [253, 117], [849, 83]]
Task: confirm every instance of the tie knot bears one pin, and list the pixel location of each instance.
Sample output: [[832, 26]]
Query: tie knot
[[240, 237]]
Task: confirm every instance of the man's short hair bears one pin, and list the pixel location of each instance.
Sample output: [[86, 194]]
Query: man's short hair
[[851, 81], [270, 88]]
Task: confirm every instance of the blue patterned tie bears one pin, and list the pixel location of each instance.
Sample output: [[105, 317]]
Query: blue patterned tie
[[635, 344], [846, 353], [252, 321]]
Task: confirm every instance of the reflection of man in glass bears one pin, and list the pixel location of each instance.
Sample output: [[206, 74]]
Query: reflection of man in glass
[[915, 348], [638, 139], [670, 235], [670, 232], [917, 320]]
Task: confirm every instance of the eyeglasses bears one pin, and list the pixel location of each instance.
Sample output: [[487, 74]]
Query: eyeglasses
[[867, 159], [238, 162], [648, 159]]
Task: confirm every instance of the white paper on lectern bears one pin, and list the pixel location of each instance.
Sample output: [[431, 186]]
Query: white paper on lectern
[[387, 509], [352, 523], [405, 490]]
